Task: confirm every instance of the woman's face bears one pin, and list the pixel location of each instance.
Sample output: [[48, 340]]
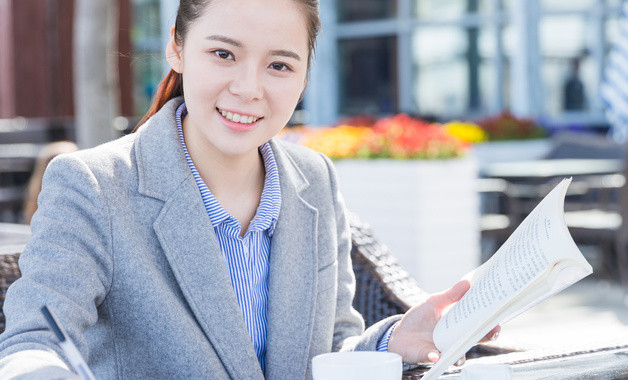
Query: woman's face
[[244, 66]]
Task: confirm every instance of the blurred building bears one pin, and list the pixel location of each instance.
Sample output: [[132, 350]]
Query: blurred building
[[36, 63], [37, 86], [442, 58], [463, 58]]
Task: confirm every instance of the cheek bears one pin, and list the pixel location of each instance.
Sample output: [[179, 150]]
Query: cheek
[[286, 95], [201, 78]]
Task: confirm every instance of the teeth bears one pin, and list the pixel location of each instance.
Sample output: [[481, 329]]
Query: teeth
[[238, 118]]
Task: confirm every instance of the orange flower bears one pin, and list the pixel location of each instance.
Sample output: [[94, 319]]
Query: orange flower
[[399, 136]]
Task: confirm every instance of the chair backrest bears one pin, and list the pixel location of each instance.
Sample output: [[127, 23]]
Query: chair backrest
[[383, 288], [9, 272]]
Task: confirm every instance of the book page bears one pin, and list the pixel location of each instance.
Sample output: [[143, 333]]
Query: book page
[[530, 252], [539, 259]]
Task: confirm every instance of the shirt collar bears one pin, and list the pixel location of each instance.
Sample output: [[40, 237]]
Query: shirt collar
[[270, 202]]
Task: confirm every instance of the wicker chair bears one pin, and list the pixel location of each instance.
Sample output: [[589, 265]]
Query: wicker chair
[[9, 272], [383, 288]]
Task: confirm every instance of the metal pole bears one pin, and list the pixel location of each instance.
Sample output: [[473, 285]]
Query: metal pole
[[526, 91], [97, 94]]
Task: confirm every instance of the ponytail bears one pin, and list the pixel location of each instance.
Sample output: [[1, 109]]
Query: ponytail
[[169, 88]]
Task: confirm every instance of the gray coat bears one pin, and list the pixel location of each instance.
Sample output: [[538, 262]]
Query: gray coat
[[124, 253]]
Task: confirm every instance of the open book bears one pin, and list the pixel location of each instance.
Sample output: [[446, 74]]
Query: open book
[[539, 259]]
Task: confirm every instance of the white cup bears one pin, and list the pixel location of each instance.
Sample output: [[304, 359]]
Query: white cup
[[486, 372], [359, 365]]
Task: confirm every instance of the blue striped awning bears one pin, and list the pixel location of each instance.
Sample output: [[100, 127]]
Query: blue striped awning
[[614, 88]]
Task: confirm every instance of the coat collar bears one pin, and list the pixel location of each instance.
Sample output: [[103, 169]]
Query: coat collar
[[196, 261], [160, 159], [292, 275]]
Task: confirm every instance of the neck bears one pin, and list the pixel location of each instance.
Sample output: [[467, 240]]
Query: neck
[[227, 176]]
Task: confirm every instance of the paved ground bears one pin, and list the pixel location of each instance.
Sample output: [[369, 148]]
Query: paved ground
[[589, 311]]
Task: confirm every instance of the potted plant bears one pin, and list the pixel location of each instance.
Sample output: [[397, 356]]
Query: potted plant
[[511, 139]]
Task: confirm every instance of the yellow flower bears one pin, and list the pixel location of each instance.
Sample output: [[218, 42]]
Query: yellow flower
[[340, 142], [466, 131]]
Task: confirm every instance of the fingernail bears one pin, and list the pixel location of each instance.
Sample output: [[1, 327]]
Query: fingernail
[[495, 336], [433, 356]]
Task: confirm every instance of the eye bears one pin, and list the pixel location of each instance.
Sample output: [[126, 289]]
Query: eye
[[223, 54], [280, 66]]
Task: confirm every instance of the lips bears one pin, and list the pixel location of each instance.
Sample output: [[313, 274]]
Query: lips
[[238, 117], [235, 126]]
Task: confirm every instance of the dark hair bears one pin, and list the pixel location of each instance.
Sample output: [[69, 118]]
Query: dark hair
[[189, 10]]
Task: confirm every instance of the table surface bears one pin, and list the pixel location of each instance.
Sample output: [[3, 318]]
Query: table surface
[[13, 237], [552, 168], [20, 150], [607, 362]]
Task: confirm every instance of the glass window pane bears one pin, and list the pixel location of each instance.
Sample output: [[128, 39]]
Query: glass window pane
[[368, 79], [612, 30], [147, 52], [506, 4], [358, 10], [456, 72], [613, 3], [441, 81], [569, 73], [566, 4], [431, 9], [427, 9]]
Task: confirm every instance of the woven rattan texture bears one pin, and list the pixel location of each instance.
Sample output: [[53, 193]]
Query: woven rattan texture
[[9, 272], [383, 288]]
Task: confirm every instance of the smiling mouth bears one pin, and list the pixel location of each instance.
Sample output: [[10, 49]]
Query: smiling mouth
[[237, 118]]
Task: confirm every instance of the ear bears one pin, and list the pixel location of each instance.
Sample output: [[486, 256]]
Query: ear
[[174, 54]]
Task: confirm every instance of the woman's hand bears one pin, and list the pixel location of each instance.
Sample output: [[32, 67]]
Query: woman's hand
[[412, 338]]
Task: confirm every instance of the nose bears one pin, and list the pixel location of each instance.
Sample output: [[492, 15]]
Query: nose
[[247, 84]]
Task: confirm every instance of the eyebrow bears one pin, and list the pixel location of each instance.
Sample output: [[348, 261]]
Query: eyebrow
[[286, 53], [224, 39], [231, 41]]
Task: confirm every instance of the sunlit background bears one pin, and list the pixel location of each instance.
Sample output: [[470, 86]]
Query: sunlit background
[[497, 101]]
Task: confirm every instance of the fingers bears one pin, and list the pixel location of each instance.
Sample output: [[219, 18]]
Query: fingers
[[433, 356], [461, 361], [492, 335], [450, 295]]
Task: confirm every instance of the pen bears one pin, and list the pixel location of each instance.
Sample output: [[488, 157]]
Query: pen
[[68, 347]]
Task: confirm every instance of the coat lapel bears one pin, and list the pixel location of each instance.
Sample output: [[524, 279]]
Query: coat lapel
[[193, 253], [292, 276]]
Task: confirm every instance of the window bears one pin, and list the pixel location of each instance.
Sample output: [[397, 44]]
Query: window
[[147, 52], [368, 75], [464, 58], [366, 10]]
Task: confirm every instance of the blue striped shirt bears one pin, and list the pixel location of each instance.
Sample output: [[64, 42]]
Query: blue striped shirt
[[246, 257]]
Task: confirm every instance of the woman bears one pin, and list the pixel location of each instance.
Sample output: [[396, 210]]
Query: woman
[[198, 247]]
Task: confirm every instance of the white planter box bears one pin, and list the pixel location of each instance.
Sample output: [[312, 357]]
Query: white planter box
[[426, 212]]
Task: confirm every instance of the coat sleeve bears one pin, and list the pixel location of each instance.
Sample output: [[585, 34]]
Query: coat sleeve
[[349, 334], [66, 265]]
